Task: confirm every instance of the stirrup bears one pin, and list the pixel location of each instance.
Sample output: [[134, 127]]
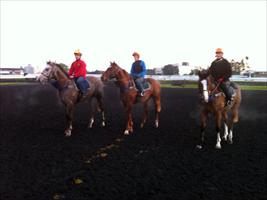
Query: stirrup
[[228, 103]]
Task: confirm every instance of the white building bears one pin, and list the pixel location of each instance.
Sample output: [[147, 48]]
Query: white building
[[29, 69], [158, 71]]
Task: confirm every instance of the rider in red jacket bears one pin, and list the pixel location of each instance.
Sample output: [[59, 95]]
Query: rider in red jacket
[[78, 68], [78, 72]]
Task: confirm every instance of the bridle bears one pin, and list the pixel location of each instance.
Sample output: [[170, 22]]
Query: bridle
[[114, 74], [47, 76], [206, 89]]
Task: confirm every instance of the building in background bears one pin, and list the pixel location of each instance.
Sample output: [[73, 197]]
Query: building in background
[[11, 71], [158, 71], [186, 68], [29, 69]]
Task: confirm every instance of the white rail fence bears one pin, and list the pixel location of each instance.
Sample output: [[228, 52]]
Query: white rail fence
[[237, 78]]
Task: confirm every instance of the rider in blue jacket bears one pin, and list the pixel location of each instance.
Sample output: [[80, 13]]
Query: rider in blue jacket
[[138, 72]]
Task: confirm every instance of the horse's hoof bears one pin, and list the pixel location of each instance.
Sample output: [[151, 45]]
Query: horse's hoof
[[91, 124], [218, 146], [103, 124], [142, 125], [156, 123], [230, 141], [126, 132], [68, 133], [199, 146]]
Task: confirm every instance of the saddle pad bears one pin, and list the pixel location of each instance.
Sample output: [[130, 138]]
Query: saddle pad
[[146, 85]]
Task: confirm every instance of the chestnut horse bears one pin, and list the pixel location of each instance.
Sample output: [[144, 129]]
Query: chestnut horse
[[213, 101], [129, 94], [70, 94]]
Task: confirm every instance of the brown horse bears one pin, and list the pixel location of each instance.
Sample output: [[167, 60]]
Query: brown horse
[[70, 94], [213, 101], [129, 94]]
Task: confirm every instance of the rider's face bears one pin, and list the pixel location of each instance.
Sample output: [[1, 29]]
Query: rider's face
[[136, 57], [219, 55], [77, 56]]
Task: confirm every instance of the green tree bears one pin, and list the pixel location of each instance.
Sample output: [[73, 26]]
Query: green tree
[[170, 69], [66, 67], [238, 67]]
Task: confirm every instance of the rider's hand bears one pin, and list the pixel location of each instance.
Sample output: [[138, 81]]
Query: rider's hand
[[220, 79], [71, 76]]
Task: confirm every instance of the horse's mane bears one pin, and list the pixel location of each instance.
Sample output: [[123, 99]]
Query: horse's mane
[[60, 67], [123, 70]]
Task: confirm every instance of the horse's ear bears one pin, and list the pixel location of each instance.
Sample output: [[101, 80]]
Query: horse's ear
[[198, 72]]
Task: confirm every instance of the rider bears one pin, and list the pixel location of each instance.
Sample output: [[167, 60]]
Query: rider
[[78, 72], [221, 71], [138, 72]]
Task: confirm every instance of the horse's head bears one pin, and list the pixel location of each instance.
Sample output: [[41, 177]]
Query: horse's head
[[48, 73], [53, 70], [204, 84], [111, 72]]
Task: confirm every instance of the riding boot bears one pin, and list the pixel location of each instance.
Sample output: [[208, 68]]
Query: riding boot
[[228, 96]]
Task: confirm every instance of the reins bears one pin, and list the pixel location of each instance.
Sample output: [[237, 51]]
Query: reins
[[218, 84], [126, 87], [69, 80]]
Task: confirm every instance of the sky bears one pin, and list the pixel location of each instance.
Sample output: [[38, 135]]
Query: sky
[[163, 32]]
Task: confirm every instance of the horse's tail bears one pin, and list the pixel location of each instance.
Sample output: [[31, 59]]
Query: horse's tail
[[236, 103], [156, 93]]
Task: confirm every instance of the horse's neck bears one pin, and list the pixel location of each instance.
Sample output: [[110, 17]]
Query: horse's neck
[[124, 78], [61, 78], [211, 84]]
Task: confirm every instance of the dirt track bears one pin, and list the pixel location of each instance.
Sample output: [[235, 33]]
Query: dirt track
[[38, 162]]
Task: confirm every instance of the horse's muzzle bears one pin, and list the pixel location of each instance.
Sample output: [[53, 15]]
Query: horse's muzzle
[[43, 80]]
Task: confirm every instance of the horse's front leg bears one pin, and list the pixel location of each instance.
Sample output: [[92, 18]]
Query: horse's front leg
[[225, 120], [203, 124], [218, 129], [69, 117], [129, 126]]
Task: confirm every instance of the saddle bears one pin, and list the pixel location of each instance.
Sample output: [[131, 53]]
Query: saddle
[[145, 83], [86, 84], [231, 87]]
